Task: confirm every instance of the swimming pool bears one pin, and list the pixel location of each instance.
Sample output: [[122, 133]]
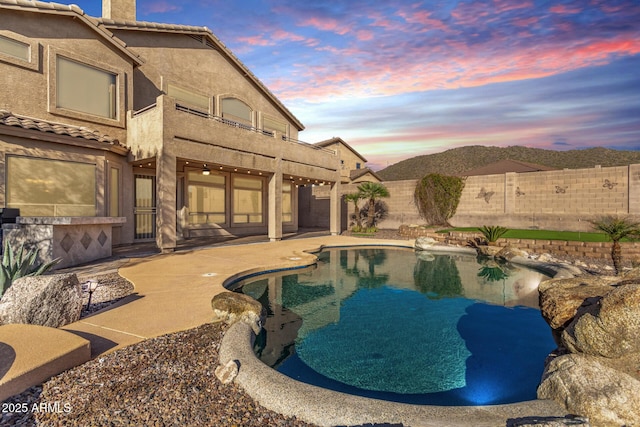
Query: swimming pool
[[403, 326]]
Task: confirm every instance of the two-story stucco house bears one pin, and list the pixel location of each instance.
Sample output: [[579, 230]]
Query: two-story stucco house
[[155, 130], [353, 168]]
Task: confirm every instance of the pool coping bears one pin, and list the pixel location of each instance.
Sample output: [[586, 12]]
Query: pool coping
[[324, 407]]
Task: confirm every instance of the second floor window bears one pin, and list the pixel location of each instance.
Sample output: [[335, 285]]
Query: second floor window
[[191, 99], [85, 89], [272, 125], [14, 48], [237, 111]]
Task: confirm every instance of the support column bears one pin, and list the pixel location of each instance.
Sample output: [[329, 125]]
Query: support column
[[166, 201], [275, 203], [335, 208], [510, 192], [634, 189]]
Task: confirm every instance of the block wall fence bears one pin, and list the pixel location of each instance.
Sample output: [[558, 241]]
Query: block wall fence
[[557, 200]]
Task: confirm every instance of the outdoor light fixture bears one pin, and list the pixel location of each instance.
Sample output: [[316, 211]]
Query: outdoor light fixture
[[92, 285], [205, 170]]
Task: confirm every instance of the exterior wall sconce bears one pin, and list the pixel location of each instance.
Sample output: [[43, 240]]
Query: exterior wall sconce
[[205, 170]]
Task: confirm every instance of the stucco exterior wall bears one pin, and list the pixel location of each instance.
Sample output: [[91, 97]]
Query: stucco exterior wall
[[27, 90], [181, 60]]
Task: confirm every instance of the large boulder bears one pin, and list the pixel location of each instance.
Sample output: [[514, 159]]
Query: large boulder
[[610, 328], [508, 253], [425, 243], [54, 300], [560, 299], [586, 386], [232, 307]]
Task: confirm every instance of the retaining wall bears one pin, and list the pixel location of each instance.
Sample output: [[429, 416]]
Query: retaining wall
[[560, 248]]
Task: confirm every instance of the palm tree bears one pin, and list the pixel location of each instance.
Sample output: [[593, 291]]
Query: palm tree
[[616, 229], [372, 191], [355, 199]]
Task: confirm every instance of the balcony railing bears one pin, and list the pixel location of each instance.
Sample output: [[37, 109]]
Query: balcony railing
[[232, 123]]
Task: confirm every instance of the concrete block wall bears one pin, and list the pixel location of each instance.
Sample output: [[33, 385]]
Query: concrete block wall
[[483, 194], [557, 200], [581, 191]]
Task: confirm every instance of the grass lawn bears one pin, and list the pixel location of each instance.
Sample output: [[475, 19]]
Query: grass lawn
[[544, 234]]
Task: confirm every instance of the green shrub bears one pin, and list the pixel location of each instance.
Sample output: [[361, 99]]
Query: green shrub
[[492, 232], [19, 265], [437, 196]]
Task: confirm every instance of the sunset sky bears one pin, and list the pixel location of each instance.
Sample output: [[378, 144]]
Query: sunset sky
[[400, 78]]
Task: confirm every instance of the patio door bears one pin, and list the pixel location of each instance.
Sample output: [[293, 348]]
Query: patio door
[[144, 210]]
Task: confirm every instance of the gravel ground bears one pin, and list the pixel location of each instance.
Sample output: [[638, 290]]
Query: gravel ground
[[165, 381], [111, 288]]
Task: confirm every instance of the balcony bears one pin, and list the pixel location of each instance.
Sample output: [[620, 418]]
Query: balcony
[[200, 135]]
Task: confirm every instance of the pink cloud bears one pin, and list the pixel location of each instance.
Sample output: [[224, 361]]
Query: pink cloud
[[160, 6], [562, 9], [501, 6], [364, 35], [256, 41], [525, 22], [325, 24], [462, 66], [423, 18]]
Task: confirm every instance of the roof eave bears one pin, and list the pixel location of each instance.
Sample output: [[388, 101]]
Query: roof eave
[[74, 12]]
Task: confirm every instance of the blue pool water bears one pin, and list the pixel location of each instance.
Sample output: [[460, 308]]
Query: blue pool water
[[408, 327]]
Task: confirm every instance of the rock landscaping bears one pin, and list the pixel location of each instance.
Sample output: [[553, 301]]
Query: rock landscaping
[[177, 379], [165, 381], [54, 301], [595, 372]]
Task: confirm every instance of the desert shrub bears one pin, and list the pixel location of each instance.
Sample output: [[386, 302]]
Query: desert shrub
[[20, 264], [493, 232], [437, 196]]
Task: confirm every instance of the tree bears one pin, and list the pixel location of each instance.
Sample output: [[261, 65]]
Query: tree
[[437, 196], [355, 199], [616, 229], [372, 191]]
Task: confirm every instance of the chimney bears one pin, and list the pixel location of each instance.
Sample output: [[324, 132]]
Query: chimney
[[119, 9]]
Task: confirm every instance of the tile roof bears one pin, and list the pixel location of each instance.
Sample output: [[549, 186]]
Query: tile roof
[[338, 140], [357, 173], [7, 118], [73, 10]]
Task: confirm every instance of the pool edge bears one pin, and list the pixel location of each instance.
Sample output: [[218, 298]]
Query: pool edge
[[324, 407]]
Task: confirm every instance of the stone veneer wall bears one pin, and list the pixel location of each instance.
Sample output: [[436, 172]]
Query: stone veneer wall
[[594, 250]]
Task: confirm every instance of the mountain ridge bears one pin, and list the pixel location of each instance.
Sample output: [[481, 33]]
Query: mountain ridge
[[457, 161]]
